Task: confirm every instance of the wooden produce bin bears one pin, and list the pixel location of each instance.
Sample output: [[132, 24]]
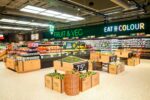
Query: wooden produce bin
[[123, 53], [116, 68], [106, 58], [28, 65], [11, 63], [58, 85], [71, 84], [2, 54], [85, 83], [133, 61], [48, 82], [95, 79], [90, 67], [95, 56], [69, 66]]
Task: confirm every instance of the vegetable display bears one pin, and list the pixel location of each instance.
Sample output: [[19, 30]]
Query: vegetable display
[[72, 59], [56, 75]]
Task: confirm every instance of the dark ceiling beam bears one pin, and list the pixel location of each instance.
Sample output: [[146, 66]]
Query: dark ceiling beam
[[83, 7], [10, 2], [138, 5]]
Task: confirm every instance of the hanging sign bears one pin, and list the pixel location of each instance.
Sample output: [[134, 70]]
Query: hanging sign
[[51, 29], [125, 27]]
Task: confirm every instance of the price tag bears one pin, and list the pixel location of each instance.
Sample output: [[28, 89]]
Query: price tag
[[81, 66]]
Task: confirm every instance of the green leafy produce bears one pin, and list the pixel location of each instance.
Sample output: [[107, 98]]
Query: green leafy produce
[[87, 74], [56, 75], [71, 59]]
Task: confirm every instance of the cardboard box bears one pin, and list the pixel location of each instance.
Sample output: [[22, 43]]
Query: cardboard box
[[85, 84], [95, 79], [58, 85]]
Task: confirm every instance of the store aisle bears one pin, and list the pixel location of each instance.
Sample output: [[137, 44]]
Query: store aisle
[[133, 84]]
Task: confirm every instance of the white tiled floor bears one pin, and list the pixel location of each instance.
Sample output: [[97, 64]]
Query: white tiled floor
[[133, 84]]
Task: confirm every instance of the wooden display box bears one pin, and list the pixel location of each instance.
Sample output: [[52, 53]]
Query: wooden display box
[[82, 65], [85, 84], [95, 79], [48, 82], [90, 68], [95, 56], [116, 68], [123, 53], [58, 85], [107, 58], [11, 63], [29, 65], [133, 61]]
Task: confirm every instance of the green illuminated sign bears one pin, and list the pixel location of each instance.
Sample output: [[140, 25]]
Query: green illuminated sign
[[51, 28], [69, 33], [125, 27]]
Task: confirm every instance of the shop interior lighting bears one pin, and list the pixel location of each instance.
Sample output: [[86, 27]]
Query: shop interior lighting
[[24, 22], [15, 28], [50, 13], [122, 3]]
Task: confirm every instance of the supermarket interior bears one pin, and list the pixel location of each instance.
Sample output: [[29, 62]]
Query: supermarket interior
[[74, 49]]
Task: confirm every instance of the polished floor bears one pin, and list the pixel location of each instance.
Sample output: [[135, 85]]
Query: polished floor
[[133, 84]]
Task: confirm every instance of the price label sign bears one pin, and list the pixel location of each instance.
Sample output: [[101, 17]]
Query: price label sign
[[81, 66]]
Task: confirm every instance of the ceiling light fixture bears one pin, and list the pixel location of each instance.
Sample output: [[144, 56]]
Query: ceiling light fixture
[[24, 22], [15, 28], [50, 13], [8, 20], [122, 3]]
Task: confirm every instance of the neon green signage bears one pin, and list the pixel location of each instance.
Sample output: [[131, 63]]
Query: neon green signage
[[69, 33]]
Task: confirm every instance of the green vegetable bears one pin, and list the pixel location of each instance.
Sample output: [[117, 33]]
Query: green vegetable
[[56, 75]]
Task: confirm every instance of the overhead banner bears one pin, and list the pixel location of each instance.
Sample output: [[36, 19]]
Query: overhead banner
[[117, 28]]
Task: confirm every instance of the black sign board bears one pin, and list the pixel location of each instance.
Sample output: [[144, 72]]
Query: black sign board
[[81, 66]]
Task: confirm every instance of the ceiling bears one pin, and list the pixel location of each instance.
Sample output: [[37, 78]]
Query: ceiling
[[94, 11]]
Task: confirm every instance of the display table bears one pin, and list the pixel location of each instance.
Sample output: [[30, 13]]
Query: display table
[[70, 63]]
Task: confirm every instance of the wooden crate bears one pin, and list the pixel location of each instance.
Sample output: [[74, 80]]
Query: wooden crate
[[58, 85], [133, 61], [95, 79], [11, 63], [85, 84], [48, 82], [71, 84], [116, 68], [95, 56], [122, 53], [29, 65], [68, 66]]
